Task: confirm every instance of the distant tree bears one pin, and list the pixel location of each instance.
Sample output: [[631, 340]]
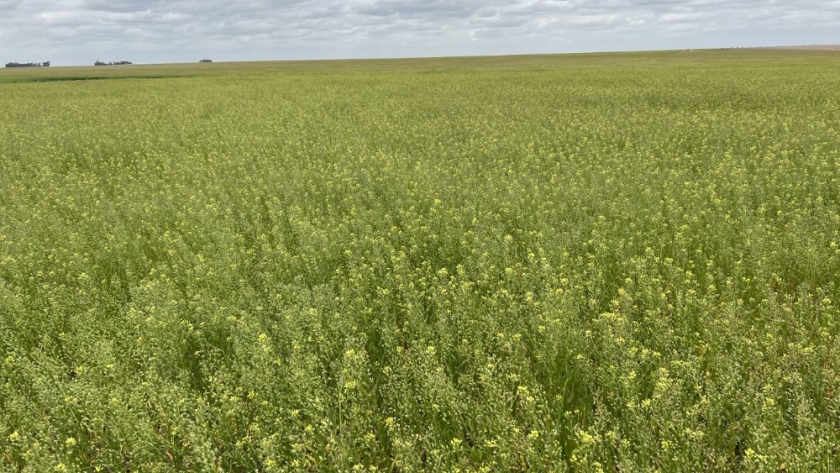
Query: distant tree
[[28, 64], [111, 63]]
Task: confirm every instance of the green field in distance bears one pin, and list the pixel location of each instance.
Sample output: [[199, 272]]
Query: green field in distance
[[586, 263]]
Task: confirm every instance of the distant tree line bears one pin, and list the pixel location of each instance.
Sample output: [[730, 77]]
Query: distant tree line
[[28, 64], [112, 63]]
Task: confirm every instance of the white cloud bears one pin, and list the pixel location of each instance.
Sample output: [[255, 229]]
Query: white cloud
[[79, 31]]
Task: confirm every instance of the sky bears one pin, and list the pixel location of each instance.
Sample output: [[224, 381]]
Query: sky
[[72, 32]]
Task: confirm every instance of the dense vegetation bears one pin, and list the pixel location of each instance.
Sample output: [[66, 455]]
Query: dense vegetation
[[587, 267], [28, 64]]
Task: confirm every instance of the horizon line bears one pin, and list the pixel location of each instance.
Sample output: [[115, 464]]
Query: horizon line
[[803, 47]]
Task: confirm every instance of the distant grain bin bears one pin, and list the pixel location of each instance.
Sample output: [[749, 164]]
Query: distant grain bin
[[206, 60]]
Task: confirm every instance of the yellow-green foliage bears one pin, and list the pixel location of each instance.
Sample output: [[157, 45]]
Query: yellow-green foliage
[[580, 267]]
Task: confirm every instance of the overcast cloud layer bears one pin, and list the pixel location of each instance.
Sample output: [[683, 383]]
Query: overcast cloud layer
[[81, 31]]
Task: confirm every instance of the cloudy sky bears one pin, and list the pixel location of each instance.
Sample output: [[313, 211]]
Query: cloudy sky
[[147, 31]]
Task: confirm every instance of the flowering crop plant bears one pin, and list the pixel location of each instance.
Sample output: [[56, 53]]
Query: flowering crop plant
[[592, 263]]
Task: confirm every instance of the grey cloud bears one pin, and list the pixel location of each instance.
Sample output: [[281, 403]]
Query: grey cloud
[[173, 30], [436, 8], [121, 6]]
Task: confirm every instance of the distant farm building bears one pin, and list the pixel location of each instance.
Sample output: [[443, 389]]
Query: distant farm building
[[206, 60]]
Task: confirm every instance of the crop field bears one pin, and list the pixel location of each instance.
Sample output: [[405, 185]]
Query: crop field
[[586, 263]]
